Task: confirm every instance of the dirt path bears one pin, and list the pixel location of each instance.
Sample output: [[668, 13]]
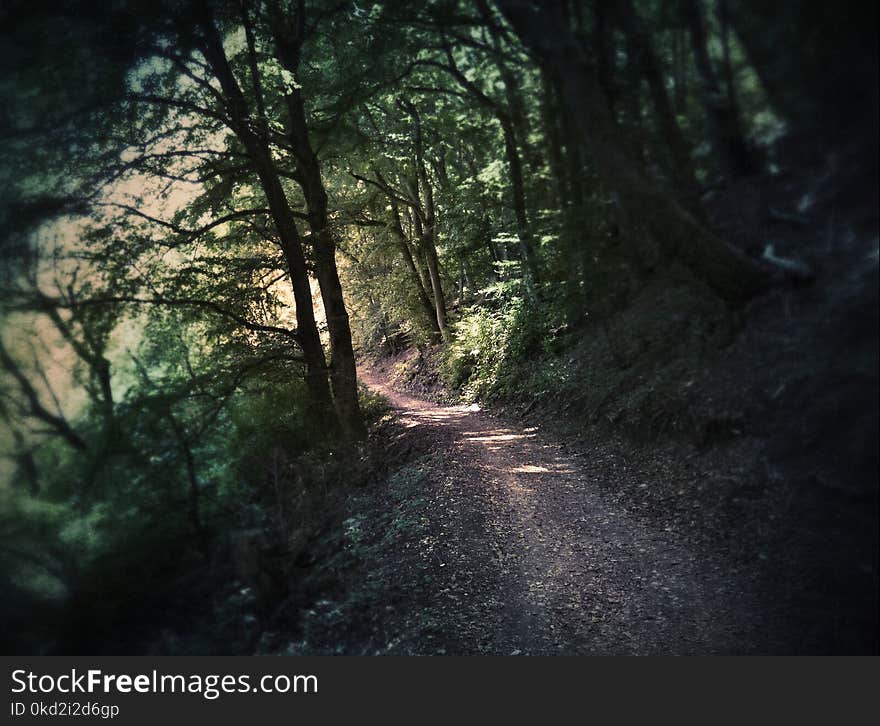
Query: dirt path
[[531, 557]]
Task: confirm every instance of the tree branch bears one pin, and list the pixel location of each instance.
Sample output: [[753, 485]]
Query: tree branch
[[58, 423]]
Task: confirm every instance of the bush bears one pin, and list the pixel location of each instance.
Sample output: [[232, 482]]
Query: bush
[[492, 340]]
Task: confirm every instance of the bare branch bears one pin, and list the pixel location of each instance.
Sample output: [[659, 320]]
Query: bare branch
[[182, 302], [58, 424]]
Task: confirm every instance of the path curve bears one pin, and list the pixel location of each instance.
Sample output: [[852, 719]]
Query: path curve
[[559, 567]]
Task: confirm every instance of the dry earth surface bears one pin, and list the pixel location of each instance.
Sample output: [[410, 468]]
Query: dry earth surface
[[528, 554]]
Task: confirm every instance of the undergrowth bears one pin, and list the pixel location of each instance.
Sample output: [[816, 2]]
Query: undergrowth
[[494, 338]]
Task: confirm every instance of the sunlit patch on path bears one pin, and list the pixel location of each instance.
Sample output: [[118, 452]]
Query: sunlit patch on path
[[534, 558]]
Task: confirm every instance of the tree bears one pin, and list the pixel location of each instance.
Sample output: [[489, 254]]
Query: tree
[[677, 233], [727, 135], [824, 85]]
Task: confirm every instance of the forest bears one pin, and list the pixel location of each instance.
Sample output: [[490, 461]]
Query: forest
[[438, 327]]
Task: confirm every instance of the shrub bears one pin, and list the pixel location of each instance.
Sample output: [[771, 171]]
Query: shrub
[[491, 341]]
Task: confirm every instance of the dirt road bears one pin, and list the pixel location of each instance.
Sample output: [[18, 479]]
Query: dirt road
[[529, 556]]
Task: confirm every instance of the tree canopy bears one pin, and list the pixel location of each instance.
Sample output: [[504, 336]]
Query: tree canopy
[[210, 206]]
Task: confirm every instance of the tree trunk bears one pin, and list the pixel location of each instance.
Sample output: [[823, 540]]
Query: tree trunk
[[550, 120], [577, 253], [425, 225], [288, 34], [726, 131], [723, 14], [639, 45], [679, 71], [194, 507], [415, 226], [517, 188], [631, 106], [320, 402], [817, 63], [727, 270], [306, 325], [603, 41], [417, 282], [343, 368], [437, 287], [432, 270], [508, 117]]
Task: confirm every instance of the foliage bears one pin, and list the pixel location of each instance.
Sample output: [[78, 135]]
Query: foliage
[[494, 337], [206, 205]]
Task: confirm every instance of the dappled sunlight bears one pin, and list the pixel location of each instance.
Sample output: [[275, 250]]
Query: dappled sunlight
[[495, 436], [534, 469], [529, 469], [442, 416], [513, 455], [260, 261]]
